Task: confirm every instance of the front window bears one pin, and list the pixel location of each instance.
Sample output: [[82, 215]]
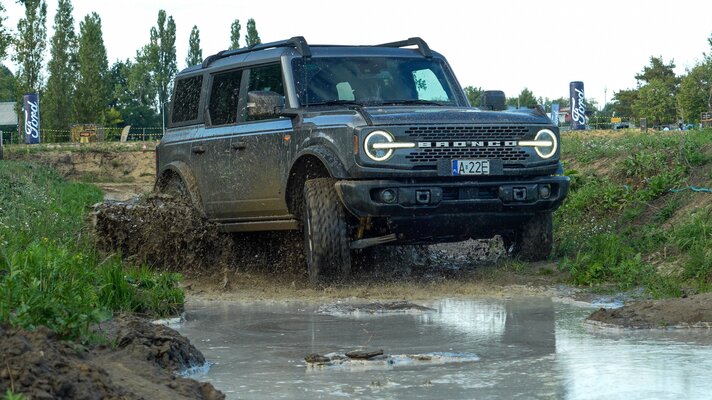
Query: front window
[[373, 81]]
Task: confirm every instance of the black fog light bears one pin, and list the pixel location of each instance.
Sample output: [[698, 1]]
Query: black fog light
[[544, 191], [388, 195]]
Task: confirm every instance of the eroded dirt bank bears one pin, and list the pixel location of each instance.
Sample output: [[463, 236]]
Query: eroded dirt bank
[[688, 312], [140, 365]]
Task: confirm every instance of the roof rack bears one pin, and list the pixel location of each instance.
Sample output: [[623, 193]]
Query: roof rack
[[298, 42], [414, 41]]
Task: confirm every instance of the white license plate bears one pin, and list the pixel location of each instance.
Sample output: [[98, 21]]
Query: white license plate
[[470, 167]]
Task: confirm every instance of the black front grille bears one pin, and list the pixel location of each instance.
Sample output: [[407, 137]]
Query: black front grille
[[430, 155], [500, 132]]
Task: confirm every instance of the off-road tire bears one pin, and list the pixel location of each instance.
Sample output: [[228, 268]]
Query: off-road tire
[[326, 239], [533, 241], [175, 187]]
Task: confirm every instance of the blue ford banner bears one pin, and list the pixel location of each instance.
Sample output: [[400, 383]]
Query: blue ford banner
[[578, 108], [555, 113], [31, 107]]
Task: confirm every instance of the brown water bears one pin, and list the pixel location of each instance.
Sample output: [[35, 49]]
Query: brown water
[[495, 349]]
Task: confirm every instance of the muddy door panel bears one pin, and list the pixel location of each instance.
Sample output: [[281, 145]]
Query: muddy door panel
[[259, 165], [210, 158]]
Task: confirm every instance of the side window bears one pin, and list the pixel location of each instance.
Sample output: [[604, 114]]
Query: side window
[[267, 79], [428, 86], [224, 96], [186, 100]]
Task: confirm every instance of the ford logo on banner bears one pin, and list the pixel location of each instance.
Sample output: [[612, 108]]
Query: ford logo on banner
[[31, 107], [578, 108]]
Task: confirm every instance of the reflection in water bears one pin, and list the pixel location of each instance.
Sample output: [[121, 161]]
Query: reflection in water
[[523, 348], [619, 364], [469, 316]]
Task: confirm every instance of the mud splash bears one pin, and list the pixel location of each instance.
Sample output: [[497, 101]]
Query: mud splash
[[169, 234]]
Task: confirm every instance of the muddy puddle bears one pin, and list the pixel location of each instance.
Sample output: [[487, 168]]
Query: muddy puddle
[[456, 349]]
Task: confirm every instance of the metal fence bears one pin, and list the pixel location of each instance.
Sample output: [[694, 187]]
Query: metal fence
[[65, 135]]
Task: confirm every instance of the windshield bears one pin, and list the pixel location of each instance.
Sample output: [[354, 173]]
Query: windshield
[[372, 81]]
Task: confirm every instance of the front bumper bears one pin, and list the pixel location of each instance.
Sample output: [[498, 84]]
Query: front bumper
[[363, 198]]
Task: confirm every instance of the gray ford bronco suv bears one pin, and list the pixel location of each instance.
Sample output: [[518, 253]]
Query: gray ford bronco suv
[[358, 146]]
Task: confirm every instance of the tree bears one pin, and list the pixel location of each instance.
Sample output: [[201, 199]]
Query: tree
[[474, 95], [562, 101], [93, 90], [235, 34], [657, 70], [657, 87], [8, 84], [30, 45], [252, 38], [5, 37], [166, 66], [656, 102], [132, 99], [62, 70], [525, 99], [623, 101], [695, 94], [195, 53]]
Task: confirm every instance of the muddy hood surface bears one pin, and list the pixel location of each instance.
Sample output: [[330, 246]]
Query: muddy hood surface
[[450, 115]]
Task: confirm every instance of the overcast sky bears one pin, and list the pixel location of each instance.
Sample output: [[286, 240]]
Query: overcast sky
[[505, 45]]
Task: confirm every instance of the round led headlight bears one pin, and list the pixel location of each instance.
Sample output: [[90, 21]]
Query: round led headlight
[[375, 153], [544, 150]]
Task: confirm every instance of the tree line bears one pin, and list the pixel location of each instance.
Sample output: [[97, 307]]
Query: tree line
[[81, 86], [660, 96]]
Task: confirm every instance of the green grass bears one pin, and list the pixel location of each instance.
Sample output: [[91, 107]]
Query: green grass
[[10, 395], [50, 273], [621, 223]]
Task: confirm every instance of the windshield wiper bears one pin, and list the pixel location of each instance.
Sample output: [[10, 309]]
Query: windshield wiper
[[412, 102]]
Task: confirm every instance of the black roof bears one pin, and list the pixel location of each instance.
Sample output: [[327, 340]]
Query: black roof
[[299, 45]]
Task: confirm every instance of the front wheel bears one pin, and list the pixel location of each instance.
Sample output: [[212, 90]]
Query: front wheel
[[534, 240], [326, 240]]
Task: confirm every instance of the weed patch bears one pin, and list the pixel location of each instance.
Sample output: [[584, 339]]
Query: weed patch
[[50, 273], [616, 226]]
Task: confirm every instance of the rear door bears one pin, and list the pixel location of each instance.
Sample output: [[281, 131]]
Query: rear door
[[213, 153], [260, 152]]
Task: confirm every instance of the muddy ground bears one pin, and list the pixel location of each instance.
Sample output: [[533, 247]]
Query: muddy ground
[[259, 266], [139, 362], [170, 236], [687, 312]]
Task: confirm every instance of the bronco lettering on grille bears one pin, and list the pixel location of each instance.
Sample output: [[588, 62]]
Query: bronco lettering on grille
[[474, 143]]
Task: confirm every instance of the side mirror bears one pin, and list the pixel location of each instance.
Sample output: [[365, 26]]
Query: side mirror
[[264, 105], [494, 100]]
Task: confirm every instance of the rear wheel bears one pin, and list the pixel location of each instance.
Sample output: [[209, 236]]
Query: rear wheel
[[533, 241], [174, 186], [326, 240]]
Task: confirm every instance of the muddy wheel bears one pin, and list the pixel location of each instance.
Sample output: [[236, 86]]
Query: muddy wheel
[[174, 186], [326, 241], [533, 241]]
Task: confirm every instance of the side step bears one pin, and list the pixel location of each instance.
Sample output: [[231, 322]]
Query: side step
[[364, 243]]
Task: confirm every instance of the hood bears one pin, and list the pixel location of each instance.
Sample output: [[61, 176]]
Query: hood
[[451, 115]]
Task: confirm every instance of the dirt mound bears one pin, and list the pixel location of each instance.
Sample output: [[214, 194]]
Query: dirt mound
[[689, 312], [40, 366], [154, 343]]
